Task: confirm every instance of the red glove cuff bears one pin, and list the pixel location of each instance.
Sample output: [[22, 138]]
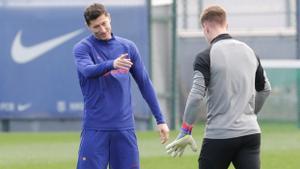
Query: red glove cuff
[[186, 127]]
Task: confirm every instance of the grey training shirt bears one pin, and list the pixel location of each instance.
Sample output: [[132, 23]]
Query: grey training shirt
[[231, 75]]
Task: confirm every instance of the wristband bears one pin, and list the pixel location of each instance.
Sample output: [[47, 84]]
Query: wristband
[[186, 128]]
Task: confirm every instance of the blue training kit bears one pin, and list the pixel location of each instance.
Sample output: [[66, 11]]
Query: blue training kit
[[118, 149], [107, 99], [106, 91]]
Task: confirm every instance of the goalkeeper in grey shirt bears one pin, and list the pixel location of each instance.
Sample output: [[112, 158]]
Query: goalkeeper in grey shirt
[[229, 73]]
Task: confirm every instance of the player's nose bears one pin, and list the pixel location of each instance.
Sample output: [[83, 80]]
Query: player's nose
[[102, 29]]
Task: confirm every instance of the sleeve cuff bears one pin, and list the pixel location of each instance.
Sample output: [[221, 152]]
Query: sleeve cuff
[[161, 122], [110, 64]]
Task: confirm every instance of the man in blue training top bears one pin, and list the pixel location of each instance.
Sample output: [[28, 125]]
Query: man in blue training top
[[104, 62]]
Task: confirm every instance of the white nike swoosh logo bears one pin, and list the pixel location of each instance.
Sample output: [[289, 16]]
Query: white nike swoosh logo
[[23, 107], [23, 54]]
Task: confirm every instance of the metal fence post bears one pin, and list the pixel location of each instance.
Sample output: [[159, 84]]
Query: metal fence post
[[174, 64], [298, 57]]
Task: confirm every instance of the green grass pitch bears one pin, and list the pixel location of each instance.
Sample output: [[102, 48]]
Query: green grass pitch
[[280, 149]]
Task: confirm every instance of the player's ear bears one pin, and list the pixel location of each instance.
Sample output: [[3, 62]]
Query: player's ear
[[206, 27], [88, 26]]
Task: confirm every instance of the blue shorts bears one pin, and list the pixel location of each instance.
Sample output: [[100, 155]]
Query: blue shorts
[[116, 149]]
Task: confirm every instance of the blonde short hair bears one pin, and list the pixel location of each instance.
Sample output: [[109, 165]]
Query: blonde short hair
[[214, 14]]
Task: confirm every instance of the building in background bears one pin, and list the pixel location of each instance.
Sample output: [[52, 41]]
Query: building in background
[[33, 93]]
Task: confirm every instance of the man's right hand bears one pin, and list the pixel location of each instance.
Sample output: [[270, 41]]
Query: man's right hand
[[122, 62], [163, 130], [184, 138], [177, 147]]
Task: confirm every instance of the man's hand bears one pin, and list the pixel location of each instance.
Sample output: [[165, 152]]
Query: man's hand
[[183, 139], [122, 62], [178, 145], [163, 130]]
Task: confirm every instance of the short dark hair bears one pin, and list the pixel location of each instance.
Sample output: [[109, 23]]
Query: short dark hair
[[93, 11], [215, 14]]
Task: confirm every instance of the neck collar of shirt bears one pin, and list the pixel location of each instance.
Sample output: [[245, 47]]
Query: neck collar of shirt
[[221, 37], [103, 41]]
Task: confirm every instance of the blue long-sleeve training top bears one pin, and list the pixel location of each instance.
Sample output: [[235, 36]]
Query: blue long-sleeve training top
[[106, 91]]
